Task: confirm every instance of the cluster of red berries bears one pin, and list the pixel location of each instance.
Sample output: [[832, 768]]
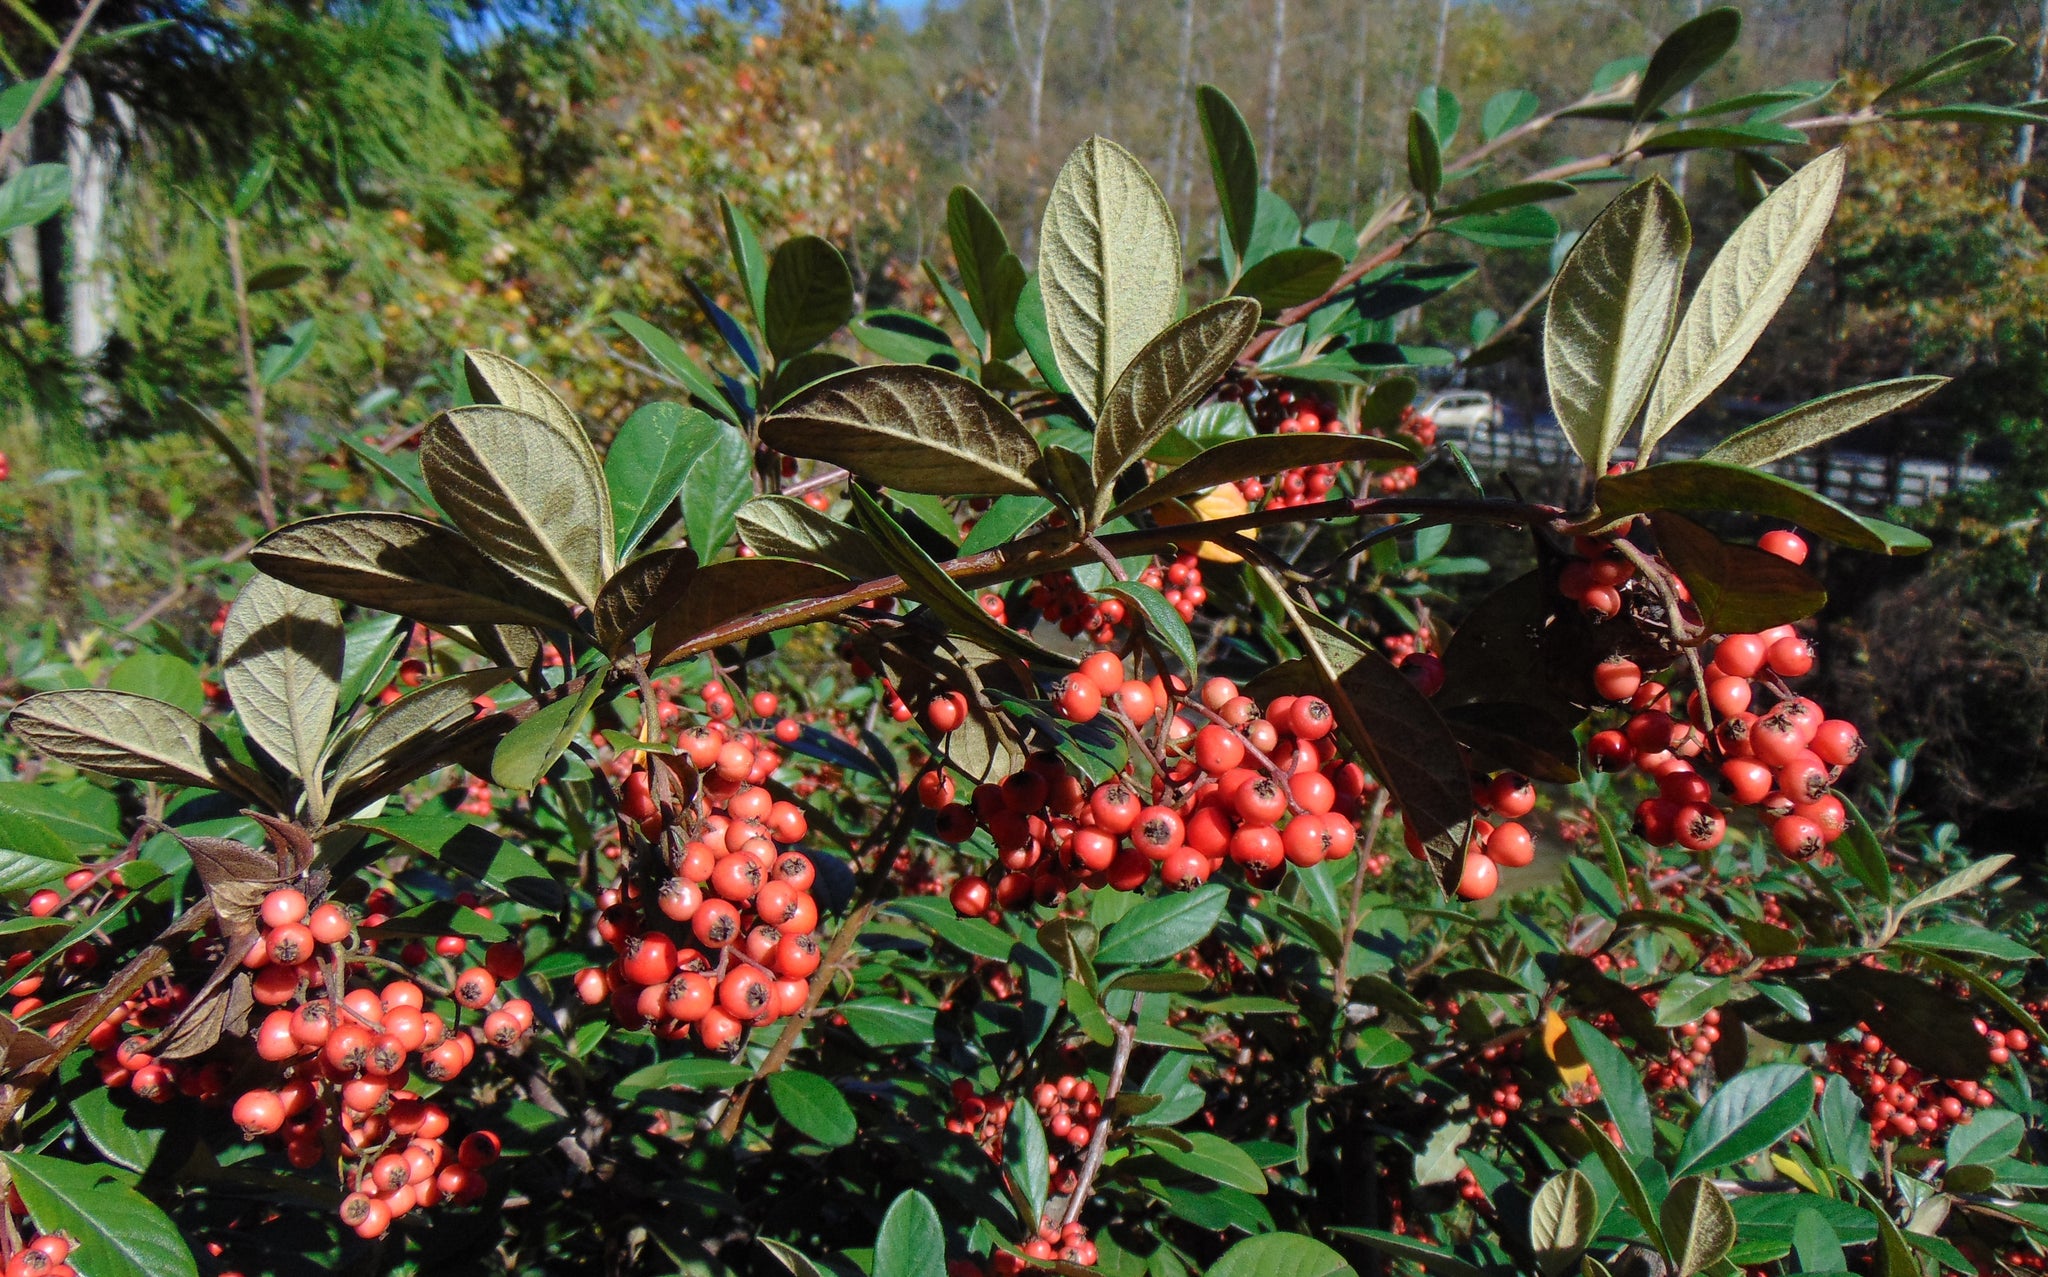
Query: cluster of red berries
[[420, 1175], [1257, 791], [1469, 1190], [1493, 846], [1695, 1047], [1900, 1101], [1067, 1243], [1284, 412], [715, 929], [1782, 758], [342, 1060], [48, 1255]]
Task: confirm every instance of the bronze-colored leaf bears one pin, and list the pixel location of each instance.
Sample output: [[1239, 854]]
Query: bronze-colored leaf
[[1738, 589], [910, 427], [404, 565], [639, 594], [1163, 380], [135, 737], [732, 589], [281, 658], [221, 1011], [785, 528], [20, 1047], [1414, 754], [397, 728]]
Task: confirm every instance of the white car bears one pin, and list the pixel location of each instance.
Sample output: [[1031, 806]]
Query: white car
[[1462, 413]]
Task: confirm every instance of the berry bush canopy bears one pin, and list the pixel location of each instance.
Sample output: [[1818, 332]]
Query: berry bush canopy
[[1020, 802]]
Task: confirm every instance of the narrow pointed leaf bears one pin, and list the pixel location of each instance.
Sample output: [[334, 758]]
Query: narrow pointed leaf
[[1425, 157], [668, 355], [748, 261], [404, 565], [526, 491], [281, 654], [1711, 485], [1752, 1111], [1621, 1090], [1743, 288], [1109, 266], [1174, 371], [919, 429], [1820, 420], [1024, 1161], [528, 750], [1951, 64], [1685, 55], [1233, 164], [1610, 316], [989, 271]]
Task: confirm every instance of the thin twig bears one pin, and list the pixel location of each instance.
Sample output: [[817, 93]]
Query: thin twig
[[1364, 852], [1126, 1032], [252, 380], [45, 86]]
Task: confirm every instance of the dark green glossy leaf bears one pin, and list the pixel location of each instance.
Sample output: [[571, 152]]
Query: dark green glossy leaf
[[813, 1106], [1685, 55], [1163, 926], [1752, 1111], [809, 296], [1709, 485], [1233, 164]]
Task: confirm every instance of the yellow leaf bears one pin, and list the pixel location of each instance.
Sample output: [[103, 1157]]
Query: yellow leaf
[[1223, 501], [1563, 1052]]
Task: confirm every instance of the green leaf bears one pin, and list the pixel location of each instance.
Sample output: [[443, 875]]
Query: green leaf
[[1727, 137], [1162, 381], [119, 1232], [253, 183], [1508, 109], [1280, 1255], [528, 492], [1202, 429], [1109, 265], [1161, 621], [1264, 454], [1525, 227], [915, 428], [404, 565], [272, 278], [1819, 420], [1816, 1244], [1037, 336], [1024, 1161], [530, 749], [809, 296], [1968, 878], [1699, 1227], [1514, 196], [32, 855], [1162, 927], [1003, 521], [1711, 485], [1610, 315], [1688, 996], [35, 194], [1685, 55], [1862, 856], [1738, 589], [1440, 107], [1972, 113], [937, 591], [668, 355], [717, 481], [911, 1243], [1752, 1111], [471, 849], [1214, 1158], [1432, 1259], [1960, 937], [1425, 157], [282, 358], [991, 273], [1380, 1049], [1951, 64], [1621, 1089], [815, 1108], [1561, 1219], [281, 653], [904, 338], [162, 677], [1289, 278], [649, 461], [1990, 1135], [1233, 164], [1633, 1195], [133, 737], [885, 1022], [1746, 283], [692, 1073], [748, 261]]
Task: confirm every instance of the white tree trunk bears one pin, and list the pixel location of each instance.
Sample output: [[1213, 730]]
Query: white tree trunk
[[1443, 36], [1183, 102], [92, 173], [1273, 68], [2023, 147], [1353, 175]]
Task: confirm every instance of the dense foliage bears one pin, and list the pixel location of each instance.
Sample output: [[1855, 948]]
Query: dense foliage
[[1031, 798]]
